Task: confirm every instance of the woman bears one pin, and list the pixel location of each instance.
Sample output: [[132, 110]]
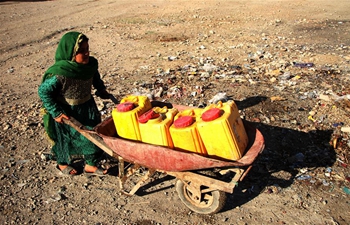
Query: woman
[[66, 92]]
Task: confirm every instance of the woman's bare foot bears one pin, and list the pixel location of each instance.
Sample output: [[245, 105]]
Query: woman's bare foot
[[93, 169], [66, 169]]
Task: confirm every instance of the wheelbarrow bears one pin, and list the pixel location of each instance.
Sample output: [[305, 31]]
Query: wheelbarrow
[[202, 183]]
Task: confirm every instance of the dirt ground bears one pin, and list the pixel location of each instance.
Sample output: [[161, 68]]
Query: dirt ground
[[187, 52]]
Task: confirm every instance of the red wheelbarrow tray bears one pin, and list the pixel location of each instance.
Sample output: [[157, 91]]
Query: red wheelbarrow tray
[[166, 159]]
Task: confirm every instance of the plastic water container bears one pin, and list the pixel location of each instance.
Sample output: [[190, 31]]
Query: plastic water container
[[184, 132], [154, 126], [222, 131], [125, 116]]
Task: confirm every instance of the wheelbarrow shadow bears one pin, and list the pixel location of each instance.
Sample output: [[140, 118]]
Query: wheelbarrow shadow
[[156, 185], [285, 150]]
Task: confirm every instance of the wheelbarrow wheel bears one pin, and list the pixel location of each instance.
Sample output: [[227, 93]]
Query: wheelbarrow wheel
[[204, 203]]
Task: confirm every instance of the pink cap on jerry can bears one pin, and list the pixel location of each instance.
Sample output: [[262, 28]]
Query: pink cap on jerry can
[[211, 114], [183, 121], [125, 106]]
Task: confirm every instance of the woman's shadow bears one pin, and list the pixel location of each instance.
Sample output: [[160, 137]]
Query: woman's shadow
[[285, 150]]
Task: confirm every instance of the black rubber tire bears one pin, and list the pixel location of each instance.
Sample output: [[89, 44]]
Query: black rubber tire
[[210, 203]]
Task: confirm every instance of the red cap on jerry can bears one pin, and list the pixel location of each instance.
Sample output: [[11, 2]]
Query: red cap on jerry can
[[183, 121], [125, 106], [150, 114], [211, 114]]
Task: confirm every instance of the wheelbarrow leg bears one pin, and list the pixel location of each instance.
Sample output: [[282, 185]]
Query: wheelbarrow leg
[[122, 176], [139, 183], [120, 167]]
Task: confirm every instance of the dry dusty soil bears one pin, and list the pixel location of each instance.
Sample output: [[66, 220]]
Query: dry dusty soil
[[187, 52]]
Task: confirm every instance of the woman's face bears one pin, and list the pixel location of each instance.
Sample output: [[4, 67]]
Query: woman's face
[[83, 53]]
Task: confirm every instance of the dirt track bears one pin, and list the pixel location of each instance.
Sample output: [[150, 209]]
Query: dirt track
[[134, 42]]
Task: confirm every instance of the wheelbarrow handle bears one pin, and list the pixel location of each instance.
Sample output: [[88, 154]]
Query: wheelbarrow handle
[[75, 124], [89, 134]]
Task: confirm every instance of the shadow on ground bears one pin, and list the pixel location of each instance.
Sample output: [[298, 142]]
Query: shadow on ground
[[286, 151]]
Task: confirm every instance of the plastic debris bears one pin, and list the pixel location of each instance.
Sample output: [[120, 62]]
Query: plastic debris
[[343, 164], [346, 190], [172, 58], [325, 183], [303, 65], [10, 70], [340, 98], [209, 67], [303, 177], [328, 172], [219, 97], [338, 124], [311, 118], [345, 129], [46, 156]]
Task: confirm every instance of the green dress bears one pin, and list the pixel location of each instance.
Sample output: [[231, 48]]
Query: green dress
[[66, 88]]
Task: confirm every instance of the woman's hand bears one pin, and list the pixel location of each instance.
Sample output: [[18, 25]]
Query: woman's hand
[[59, 119]]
